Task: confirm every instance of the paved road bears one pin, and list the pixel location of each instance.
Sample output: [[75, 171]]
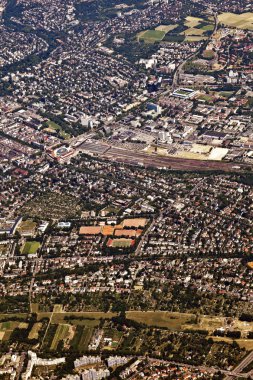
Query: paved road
[[239, 369]]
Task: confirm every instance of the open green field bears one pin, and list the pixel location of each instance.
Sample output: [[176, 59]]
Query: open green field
[[208, 27], [151, 36], [34, 308], [56, 127], [57, 308], [59, 317], [177, 321], [193, 32], [34, 333], [166, 28], [85, 338], [208, 54], [7, 327], [243, 343], [191, 22], [195, 38], [11, 315], [226, 94], [30, 247], [170, 320], [191, 29], [84, 322], [240, 21], [82, 338], [62, 333]]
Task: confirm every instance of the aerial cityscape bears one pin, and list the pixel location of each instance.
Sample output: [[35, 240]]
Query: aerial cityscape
[[126, 202]]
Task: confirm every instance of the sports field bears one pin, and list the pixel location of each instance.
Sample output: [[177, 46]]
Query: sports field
[[135, 222], [120, 243], [30, 247], [27, 227], [240, 21]]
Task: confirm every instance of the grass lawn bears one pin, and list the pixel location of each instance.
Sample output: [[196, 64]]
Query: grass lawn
[[30, 247], [208, 27], [151, 36], [208, 54], [206, 97], [57, 127]]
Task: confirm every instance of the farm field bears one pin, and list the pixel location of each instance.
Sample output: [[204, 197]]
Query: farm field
[[241, 21], [193, 32], [62, 333], [7, 327], [166, 28], [59, 317], [195, 38], [34, 333], [197, 29], [30, 247], [191, 21], [82, 338]]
